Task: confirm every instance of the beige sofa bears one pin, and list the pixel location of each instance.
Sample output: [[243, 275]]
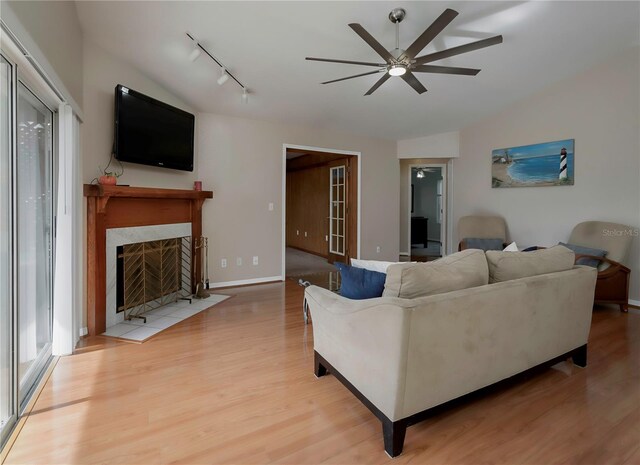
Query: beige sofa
[[404, 357]]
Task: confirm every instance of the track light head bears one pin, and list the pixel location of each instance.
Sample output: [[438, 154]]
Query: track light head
[[224, 77], [245, 96], [195, 53]]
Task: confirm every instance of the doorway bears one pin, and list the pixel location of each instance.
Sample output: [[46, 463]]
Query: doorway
[[321, 210], [427, 211]]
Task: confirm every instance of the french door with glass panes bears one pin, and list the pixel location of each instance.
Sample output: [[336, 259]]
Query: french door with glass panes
[[26, 241], [341, 216]]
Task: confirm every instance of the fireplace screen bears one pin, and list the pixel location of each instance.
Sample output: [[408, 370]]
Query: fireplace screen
[[152, 274]]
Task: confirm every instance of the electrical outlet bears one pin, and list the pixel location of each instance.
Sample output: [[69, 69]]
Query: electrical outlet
[[378, 249], [255, 260], [305, 234], [326, 238], [270, 206], [239, 261], [223, 263], [297, 232]]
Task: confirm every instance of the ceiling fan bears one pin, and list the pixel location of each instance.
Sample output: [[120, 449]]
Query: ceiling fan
[[404, 63]]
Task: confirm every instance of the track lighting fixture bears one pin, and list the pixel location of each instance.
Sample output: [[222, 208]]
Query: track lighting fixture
[[224, 77], [225, 74], [195, 53]]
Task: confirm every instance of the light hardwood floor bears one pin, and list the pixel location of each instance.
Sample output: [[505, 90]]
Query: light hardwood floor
[[235, 384]]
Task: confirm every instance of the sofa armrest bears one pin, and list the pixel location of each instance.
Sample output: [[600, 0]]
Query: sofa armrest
[[366, 341]]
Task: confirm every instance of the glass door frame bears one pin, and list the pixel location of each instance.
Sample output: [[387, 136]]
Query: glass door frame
[[41, 362], [13, 341], [20, 398]]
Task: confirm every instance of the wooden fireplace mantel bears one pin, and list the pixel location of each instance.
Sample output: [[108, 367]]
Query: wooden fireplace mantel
[[122, 207]]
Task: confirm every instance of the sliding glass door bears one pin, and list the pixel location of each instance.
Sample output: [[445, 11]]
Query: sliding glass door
[[34, 215], [7, 373], [26, 242]]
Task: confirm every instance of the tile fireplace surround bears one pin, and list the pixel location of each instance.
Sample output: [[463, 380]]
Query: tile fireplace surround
[[122, 236], [121, 215]]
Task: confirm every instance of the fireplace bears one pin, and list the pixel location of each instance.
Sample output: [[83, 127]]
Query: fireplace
[[118, 216], [152, 274]]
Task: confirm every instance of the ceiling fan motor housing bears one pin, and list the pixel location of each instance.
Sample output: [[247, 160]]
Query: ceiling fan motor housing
[[397, 15]]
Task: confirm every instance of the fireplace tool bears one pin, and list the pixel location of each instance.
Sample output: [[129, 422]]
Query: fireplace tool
[[202, 247]]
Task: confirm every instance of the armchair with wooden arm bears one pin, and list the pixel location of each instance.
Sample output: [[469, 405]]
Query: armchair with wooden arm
[[612, 286]]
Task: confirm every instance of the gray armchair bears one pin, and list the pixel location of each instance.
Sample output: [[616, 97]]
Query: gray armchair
[[481, 227]]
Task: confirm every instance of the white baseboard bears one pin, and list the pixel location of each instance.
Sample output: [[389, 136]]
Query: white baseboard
[[244, 282], [635, 303], [83, 331]]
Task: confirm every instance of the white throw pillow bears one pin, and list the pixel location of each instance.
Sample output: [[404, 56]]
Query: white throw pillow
[[511, 248], [373, 265]]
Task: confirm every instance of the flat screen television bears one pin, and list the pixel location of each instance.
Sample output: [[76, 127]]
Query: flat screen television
[[151, 132]]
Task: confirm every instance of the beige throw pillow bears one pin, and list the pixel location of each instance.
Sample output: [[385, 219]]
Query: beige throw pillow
[[505, 266], [458, 271]]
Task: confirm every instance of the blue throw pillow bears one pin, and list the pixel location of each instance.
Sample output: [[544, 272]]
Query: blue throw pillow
[[580, 250], [484, 244], [358, 283]]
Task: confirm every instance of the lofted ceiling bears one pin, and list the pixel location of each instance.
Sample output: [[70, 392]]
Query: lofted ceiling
[[265, 43]]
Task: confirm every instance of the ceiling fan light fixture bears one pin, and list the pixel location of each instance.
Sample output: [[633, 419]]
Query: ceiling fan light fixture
[[420, 174], [397, 70]]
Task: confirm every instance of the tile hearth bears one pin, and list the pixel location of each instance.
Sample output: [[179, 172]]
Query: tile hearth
[[161, 318]]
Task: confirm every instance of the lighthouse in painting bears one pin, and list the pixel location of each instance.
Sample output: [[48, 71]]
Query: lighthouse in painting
[[563, 164]]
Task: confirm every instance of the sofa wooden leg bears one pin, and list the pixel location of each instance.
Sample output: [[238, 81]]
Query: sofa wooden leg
[[393, 433], [624, 308], [579, 356], [318, 368]]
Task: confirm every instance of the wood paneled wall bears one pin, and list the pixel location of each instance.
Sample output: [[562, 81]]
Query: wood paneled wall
[[308, 209]]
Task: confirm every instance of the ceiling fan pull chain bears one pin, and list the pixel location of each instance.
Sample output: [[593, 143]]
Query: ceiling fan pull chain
[[397, 35]]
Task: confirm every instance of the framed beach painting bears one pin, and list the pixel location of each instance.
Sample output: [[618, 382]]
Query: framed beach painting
[[537, 165]]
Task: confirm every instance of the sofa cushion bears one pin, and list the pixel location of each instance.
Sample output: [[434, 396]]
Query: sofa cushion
[[483, 243], [359, 283], [373, 265], [457, 271], [505, 266], [580, 250]]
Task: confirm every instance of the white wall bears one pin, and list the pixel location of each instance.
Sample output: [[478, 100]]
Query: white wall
[[444, 145], [102, 72], [241, 160], [52, 33], [600, 110]]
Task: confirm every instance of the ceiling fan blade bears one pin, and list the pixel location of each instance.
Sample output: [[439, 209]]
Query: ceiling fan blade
[[380, 81], [351, 77], [410, 79], [444, 70], [431, 32], [348, 62], [459, 50], [373, 43]]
